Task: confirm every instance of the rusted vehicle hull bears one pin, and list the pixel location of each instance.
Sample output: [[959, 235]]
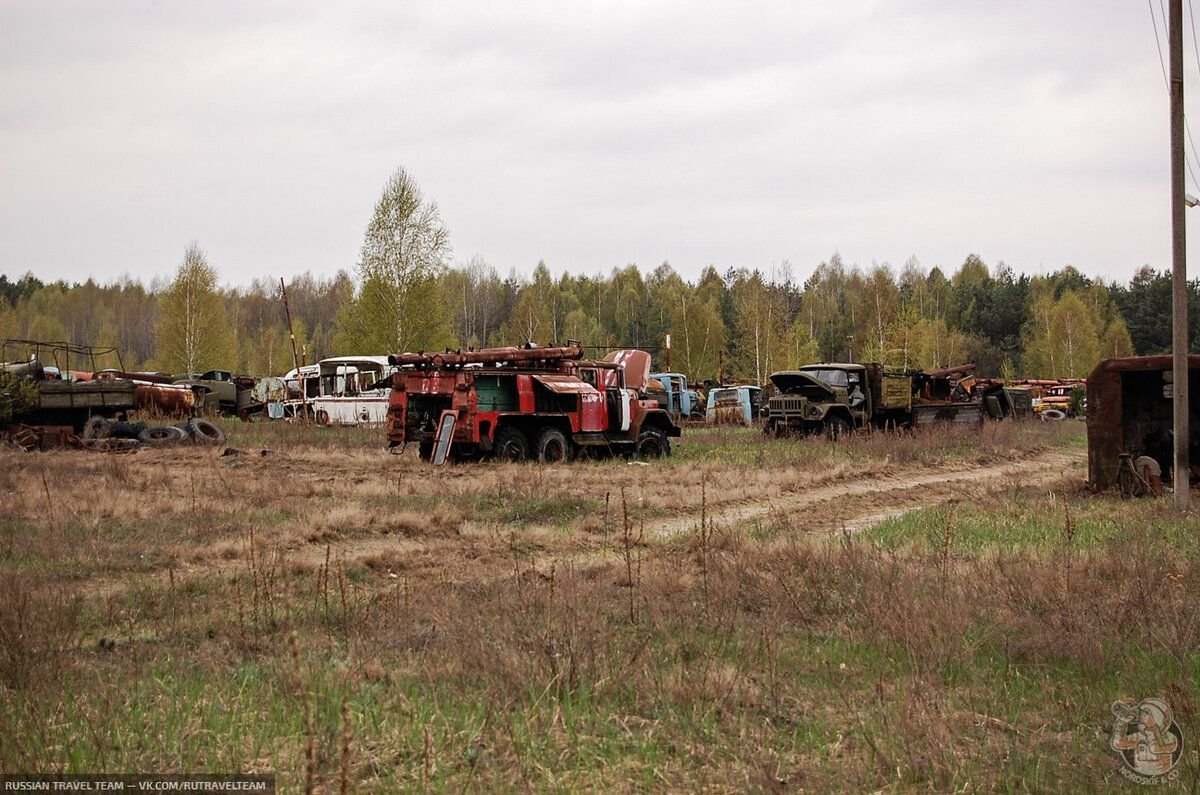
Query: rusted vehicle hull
[[178, 400], [1130, 413]]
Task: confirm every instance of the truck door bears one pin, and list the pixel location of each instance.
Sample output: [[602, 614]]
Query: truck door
[[618, 409]]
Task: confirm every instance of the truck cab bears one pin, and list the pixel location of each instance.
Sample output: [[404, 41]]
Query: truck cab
[[733, 405], [675, 396], [833, 397]]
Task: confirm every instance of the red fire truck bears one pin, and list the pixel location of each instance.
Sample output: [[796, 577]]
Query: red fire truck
[[548, 404]]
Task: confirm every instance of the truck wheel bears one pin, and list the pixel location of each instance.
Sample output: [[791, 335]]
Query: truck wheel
[[653, 443], [836, 428], [425, 451], [553, 447], [511, 445]]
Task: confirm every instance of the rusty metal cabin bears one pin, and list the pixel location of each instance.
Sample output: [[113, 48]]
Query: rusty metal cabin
[[1129, 411]]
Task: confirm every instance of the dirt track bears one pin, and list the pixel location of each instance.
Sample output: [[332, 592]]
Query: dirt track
[[829, 503], [193, 511], [859, 502]]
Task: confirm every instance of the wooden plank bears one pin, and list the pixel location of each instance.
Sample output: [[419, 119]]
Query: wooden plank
[[85, 394]]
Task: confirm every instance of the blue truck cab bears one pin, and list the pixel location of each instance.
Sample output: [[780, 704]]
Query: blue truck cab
[[737, 405], [679, 401]]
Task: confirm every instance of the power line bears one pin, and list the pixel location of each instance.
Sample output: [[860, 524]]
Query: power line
[[1195, 47], [1157, 43], [1167, 83], [1186, 126], [1196, 55]]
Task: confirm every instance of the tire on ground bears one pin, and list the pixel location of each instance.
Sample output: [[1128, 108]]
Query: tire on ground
[[163, 435], [1053, 415], [652, 443], [511, 444], [127, 430], [97, 428], [202, 430], [553, 447]]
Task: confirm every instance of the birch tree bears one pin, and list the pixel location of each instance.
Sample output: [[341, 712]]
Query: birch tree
[[398, 305], [194, 334]]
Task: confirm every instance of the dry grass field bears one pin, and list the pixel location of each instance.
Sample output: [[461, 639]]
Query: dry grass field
[[940, 612]]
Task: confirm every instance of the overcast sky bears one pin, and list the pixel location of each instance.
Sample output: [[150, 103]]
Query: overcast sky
[[588, 135]]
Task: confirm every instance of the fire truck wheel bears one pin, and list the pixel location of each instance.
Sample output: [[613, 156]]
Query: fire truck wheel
[[653, 443], [553, 447], [425, 451], [511, 444]]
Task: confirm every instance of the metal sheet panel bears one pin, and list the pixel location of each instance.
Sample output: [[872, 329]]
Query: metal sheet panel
[[897, 392], [961, 414], [565, 384], [636, 364], [592, 414]]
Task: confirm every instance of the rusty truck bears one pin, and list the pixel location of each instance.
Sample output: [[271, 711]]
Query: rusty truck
[[525, 403], [835, 398]]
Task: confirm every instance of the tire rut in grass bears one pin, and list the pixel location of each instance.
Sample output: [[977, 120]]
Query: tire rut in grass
[[858, 503]]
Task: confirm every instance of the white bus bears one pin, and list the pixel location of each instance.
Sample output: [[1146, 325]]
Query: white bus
[[341, 390]]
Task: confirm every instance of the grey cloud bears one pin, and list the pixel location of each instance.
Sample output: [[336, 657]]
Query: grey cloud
[[587, 134]]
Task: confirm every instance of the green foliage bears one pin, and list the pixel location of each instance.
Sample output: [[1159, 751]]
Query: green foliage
[[1075, 400], [17, 396], [194, 332], [405, 296], [761, 341], [1074, 342], [12, 292], [399, 305]]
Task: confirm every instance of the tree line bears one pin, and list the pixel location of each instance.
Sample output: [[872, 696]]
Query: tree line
[[403, 295]]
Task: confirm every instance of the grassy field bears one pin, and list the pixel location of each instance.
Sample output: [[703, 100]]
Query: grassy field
[[941, 612]]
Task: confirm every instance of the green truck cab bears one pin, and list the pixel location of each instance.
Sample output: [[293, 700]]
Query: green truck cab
[[835, 398]]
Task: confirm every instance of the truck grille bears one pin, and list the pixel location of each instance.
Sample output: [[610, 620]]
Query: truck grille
[[788, 405]]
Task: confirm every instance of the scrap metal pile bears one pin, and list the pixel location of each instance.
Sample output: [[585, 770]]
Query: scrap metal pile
[[113, 436], [61, 398]]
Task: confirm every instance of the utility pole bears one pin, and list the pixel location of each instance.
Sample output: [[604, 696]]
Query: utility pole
[[295, 361], [1179, 291]]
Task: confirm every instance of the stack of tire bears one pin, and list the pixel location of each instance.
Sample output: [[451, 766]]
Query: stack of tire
[[104, 434]]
